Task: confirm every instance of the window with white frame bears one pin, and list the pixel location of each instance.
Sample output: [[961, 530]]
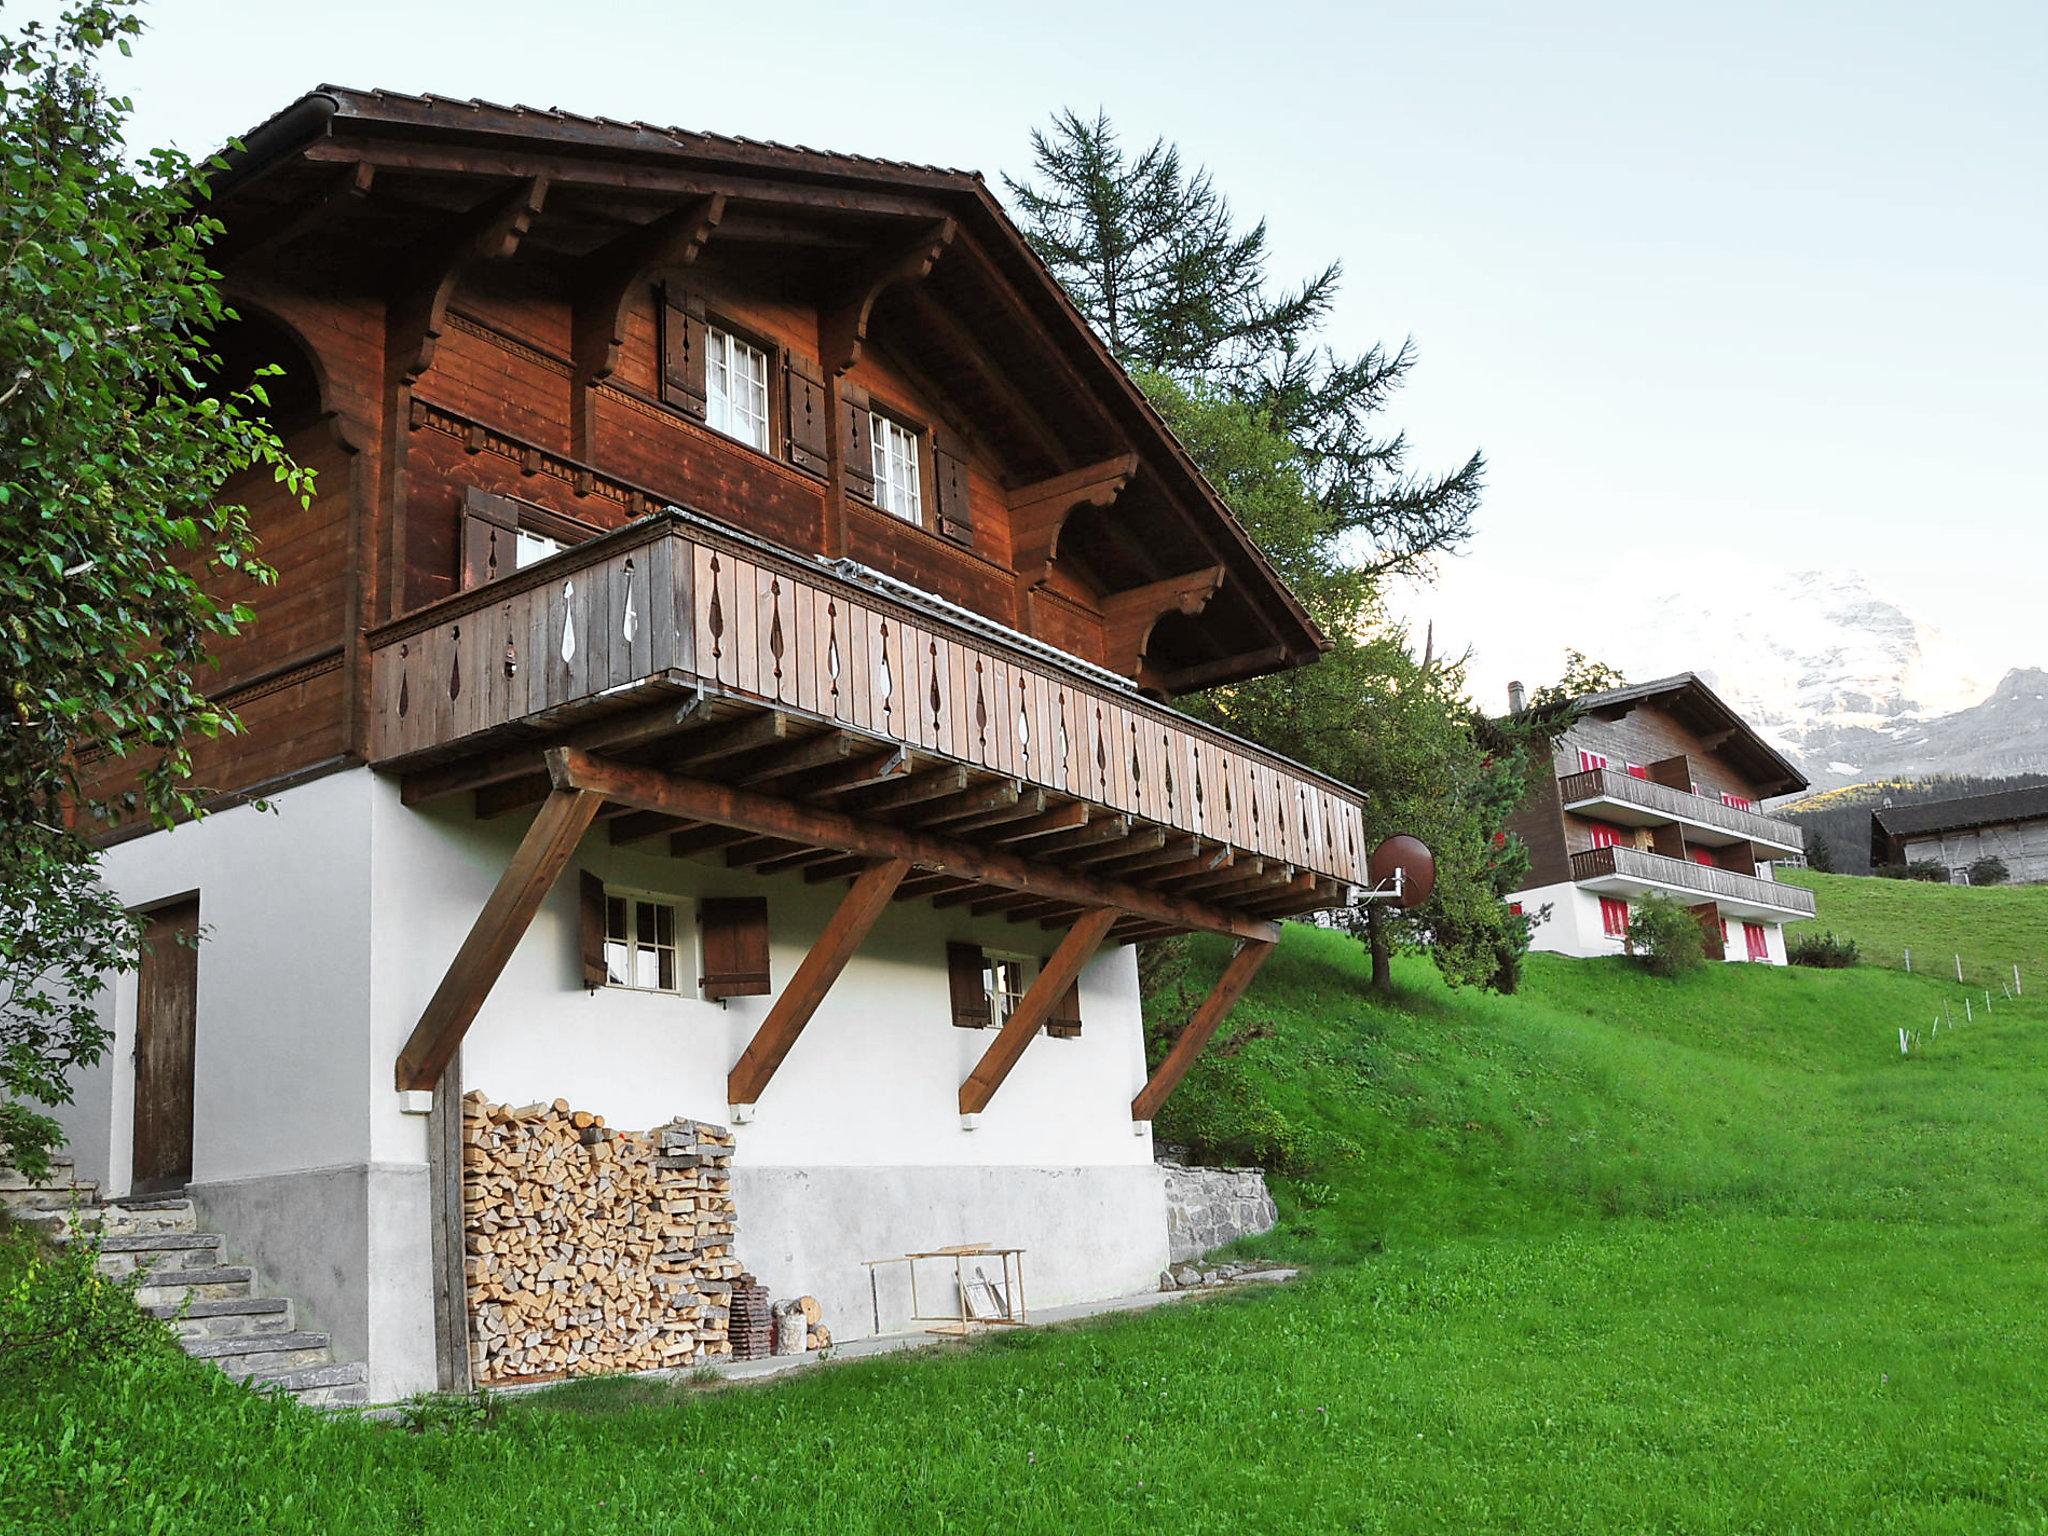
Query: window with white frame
[[735, 387], [897, 487], [1004, 977], [640, 942], [528, 547]]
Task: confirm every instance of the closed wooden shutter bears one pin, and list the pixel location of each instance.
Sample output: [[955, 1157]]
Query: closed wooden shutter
[[735, 932], [490, 536], [804, 399], [965, 976], [857, 440], [590, 928], [949, 488], [1064, 1022], [682, 351]]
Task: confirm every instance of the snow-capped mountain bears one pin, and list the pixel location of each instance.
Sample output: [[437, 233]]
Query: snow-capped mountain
[[1845, 680]]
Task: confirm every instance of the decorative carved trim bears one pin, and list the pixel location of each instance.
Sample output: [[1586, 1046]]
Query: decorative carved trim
[[505, 341]]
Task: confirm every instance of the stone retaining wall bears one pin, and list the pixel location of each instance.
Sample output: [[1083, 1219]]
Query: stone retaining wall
[[1208, 1207]]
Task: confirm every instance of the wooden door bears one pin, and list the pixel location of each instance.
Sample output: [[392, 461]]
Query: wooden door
[[166, 1019]]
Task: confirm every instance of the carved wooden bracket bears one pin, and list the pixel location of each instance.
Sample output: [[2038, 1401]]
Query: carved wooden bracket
[[843, 324], [1128, 618], [1038, 512], [616, 273], [492, 232]]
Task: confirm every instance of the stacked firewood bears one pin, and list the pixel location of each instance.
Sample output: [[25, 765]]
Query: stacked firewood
[[589, 1249]]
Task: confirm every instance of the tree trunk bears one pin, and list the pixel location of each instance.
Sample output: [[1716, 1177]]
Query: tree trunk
[[1381, 944]]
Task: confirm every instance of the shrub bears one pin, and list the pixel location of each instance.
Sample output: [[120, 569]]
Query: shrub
[[1920, 869], [1989, 870], [57, 1309], [1665, 937], [1823, 951]]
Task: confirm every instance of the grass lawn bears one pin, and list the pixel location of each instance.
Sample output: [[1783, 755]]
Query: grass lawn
[[1610, 1255], [1993, 927]]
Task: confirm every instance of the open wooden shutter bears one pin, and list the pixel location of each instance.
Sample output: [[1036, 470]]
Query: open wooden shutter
[[735, 945], [490, 536], [1064, 1022], [682, 351], [949, 485], [857, 440], [964, 975], [804, 382], [590, 928]]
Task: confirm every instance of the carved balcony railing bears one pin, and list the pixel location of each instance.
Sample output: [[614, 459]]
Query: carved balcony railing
[[1622, 868], [674, 601], [1610, 786]]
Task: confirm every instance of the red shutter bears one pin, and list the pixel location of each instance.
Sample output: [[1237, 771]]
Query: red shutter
[[682, 351], [1701, 856], [964, 976], [1638, 771], [1588, 761], [1607, 835], [804, 412], [590, 928], [735, 930], [1614, 917], [857, 440], [1754, 942], [949, 488], [490, 536]]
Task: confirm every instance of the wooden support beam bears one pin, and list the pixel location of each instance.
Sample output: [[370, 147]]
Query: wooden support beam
[[541, 856], [509, 795], [637, 826], [1108, 829], [490, 232], [918, 789], [1003, 901], [607, 280], [762, 815], [1234, 872], [792, 1010], [1129, 617], [992, 374], [843, 322], [858, 773], [732, 738], [1142, 840], [1169, 852], [927, 884], [1237, 975], [1030, 802], [749, 851], [1038, 513], [701, 839], [629, 728], [1061, 818], [806, 859], [1035, 1007], [837, 866], [1054, 914], [831, 748], [972, 804]]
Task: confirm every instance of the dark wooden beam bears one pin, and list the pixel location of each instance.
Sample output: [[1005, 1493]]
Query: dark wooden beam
[[918, 789], [1061, 818], [1168, 853], [607, 280], [1243, 664], [246, 242], [843, 320], [750, 851], [798, 756], [1129, 617], [991, 375], [762, 815], [1108, 829], [799, 1000], [637, 826], [503, 798], [541, 856], [1039, 512], [1142, 840], [1237, 975], [860, 773], [972, 804], [1035, 1007], [701, 839], [490, 232], [732, 738], [614, 733]]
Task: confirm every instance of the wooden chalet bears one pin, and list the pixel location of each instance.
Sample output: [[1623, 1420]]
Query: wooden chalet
[[763, 532]]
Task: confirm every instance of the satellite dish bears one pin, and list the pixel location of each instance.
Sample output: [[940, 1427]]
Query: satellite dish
[[1411, 857]]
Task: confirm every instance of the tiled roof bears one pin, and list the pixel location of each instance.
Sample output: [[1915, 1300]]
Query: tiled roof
[[1965, 811]]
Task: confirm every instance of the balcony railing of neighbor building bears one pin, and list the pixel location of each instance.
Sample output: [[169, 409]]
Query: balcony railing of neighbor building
[[1611, 787], [1621, 867]]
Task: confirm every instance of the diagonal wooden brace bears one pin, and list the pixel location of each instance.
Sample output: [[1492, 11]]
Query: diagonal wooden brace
[[1035, 1007], [866, 901], [1237, 975], [541, 856]]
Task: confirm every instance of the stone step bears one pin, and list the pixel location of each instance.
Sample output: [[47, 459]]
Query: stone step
[[228, 1319], [156, 1252], [320, 1386], [261, 1354], [157, 1242], [14, 1178], [82, 1197], [132, 1218], [167, 1287]]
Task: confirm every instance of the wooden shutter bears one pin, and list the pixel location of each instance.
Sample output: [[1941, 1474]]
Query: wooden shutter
[[804, 413], [735, 932], [857, 440], [490, 536], [965, 976], [1064, 1022], [949, 489], [682, 351], [590, 928]]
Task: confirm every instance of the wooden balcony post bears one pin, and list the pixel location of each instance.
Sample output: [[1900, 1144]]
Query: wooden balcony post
[[541, 856], [863, 903], [1237, 975], [1035, 1007]]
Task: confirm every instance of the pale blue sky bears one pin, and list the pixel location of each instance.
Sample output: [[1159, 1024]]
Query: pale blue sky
[[1716, 288]]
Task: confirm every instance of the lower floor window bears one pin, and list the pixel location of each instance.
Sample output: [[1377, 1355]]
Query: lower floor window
[[639, 942], [1614, 917], [1753, 941]]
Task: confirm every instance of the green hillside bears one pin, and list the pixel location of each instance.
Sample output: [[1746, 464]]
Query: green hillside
[[1992, 927], [1614, 1254]]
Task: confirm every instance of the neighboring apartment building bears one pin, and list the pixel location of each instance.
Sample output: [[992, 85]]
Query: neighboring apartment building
[[763, 533], [1655, 787], [2010, 825]]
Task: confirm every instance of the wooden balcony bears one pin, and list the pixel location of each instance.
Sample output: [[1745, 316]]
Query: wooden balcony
[[1620, 797], [1630, 872], [676, 643]]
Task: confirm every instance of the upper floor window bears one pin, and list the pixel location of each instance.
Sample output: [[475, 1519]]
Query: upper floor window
[[898, 488], [529, 547], [639, 942], [736, 387], [1739, 802], [1588, 761]]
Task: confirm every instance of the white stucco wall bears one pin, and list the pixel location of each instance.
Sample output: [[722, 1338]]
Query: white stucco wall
[[1573, 927]]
